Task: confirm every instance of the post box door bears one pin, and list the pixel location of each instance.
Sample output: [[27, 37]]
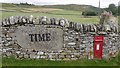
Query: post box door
[[98, 42], [98, 50]]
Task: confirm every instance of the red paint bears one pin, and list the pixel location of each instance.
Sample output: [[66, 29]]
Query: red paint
[[98, 43]]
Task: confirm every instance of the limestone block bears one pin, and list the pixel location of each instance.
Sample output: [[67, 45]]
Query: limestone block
[[67, 24], [50, 56], [20, 20], [9, 38], [24, 20], [33, 55], [43, 20], [24, 34], [52, 21], [4, 23], [72, 43], [59, 51], [62, 22], [36, 20], [107, 27], [77, 26], [8, 53], [20, 56], [73, 58], [12, 20], [43, 57], [7, 44], [61, 56], [17, 52], [66, 59], [7, 22], [37, 57], [67, 56], [40, 53], [30, 19], [16, 18], [66, 38], [26, 56]]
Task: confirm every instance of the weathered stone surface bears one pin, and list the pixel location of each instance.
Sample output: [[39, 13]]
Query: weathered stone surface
[[62, 22], [26, 56], [54, 42], [32, 55], [36, 20], [20, 55], [43, 57], [8, 53], [12, 20]]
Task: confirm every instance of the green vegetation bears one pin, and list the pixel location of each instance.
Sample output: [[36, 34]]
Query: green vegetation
[[3, 5], [71, 15], [11, 61], [89, 13], [74, 7], [119, 20], [119, 10], [114, 9], [26, 4], [0, 61]]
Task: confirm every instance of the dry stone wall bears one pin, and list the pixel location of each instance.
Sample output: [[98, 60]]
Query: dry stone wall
[[54, 39]]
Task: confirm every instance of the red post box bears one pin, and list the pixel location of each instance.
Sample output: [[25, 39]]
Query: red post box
[[98, 42]]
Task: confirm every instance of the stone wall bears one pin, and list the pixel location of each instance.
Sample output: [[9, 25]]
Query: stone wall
[[68, 40]]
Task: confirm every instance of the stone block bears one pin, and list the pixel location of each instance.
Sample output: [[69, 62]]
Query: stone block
[[32, 55], [50, 56], [66, 59], [67, 23], [37, 56], [43, 57], [67, 56], [52, 59], [73, 58], [8, 54], [7, 22], [30, 18], [72, 43], [12, 20], [4, 23], [20, 56], [62, 22], [24, 20], [26, 56], [18, 52], [36, 20], [61, 56], [40, 53]]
